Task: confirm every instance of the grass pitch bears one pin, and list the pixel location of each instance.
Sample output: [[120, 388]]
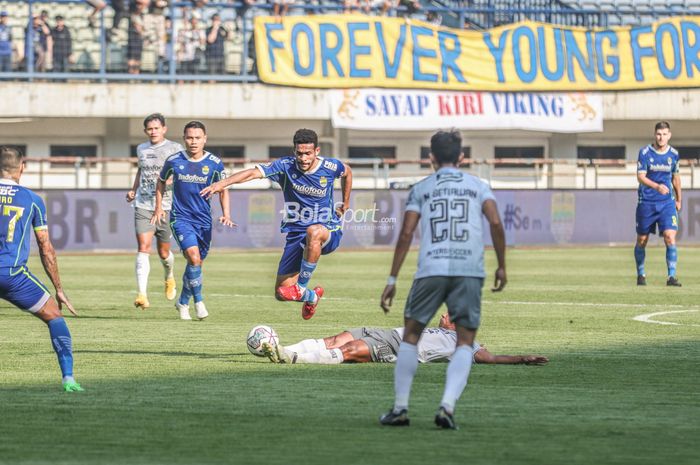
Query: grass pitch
[[164, 391]]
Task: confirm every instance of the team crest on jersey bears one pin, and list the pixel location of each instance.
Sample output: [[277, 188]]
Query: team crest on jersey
[[182, 167], [323, 181], [205, 170], [669, 160], [651, 159]]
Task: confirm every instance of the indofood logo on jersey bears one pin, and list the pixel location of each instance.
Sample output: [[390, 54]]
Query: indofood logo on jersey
[[310, 190], [191, 178], [660, 166]]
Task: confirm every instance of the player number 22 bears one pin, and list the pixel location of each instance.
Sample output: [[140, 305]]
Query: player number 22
[[16, 214], [449, 219]]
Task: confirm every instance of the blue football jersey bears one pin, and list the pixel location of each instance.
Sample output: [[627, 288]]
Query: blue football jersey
[[190, 177], [308, 196], [20, 209], [660, 168]]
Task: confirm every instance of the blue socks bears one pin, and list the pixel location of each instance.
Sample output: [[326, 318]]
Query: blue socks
[[305, 273], [671, 259], [193, 274], [62, 345], [186, 293], [639, 254], [308, 296]]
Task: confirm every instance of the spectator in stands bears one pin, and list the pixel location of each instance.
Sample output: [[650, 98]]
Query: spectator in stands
[[6, 45], [382, 6], [165, 48], [121, 11], [434, 18], [37, 42], [156, 28], [214, 52], [191, 41], [410, 7], [137, 32], [241, 10], [62, 46], [97, 6], [280, 8]]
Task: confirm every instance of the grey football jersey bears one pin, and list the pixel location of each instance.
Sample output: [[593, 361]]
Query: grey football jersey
[[449, 203], [437, 344], [151, 159]]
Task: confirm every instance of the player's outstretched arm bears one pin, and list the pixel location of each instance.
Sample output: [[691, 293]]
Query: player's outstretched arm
[[498, 237], [50, 264], [236, 178], [158, 213], [225, 202], [484, 356], [131, 195], [410, 221]]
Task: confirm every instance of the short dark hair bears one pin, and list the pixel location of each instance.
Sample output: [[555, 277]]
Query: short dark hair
[[305, 136], [662, 125], [195, 125], [154, 117], [10, 158], [59, 18], [446, 146]]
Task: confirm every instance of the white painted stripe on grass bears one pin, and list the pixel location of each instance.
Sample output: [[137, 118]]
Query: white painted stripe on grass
[[647, 318]]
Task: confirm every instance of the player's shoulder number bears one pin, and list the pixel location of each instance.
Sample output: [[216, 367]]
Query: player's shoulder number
[[214, 158]]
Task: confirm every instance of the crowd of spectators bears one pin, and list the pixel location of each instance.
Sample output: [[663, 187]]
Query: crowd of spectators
[[200, 40]]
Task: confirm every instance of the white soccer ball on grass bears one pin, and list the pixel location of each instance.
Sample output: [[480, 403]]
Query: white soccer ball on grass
[[258, 335]]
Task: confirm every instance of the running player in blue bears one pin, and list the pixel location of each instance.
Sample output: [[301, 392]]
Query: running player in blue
[[20, 210], [190, 219], [312, 221], [659, 200]]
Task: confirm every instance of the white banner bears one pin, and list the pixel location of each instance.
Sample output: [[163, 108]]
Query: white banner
[[387, 109]]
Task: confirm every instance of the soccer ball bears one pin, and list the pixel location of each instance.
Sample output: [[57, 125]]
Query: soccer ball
[[258, 335]]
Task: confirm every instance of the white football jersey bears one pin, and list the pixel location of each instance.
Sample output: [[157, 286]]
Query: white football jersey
[[449, 202], [437, 344], [151, 159]]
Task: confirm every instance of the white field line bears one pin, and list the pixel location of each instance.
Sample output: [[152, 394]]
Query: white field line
[[647, 318]]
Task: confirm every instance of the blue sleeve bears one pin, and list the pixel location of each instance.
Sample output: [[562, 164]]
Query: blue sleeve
[[340, 168], [167, 170], [676, 169], [219, 172], [39, 220], [274, 170], [642, 162]]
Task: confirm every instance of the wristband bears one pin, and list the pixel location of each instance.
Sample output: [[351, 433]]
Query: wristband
[[391, 281]]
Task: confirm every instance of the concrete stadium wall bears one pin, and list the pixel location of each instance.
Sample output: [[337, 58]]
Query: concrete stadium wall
[[92, 220]]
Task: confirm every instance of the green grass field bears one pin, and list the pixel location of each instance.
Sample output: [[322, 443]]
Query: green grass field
[[164, 391]]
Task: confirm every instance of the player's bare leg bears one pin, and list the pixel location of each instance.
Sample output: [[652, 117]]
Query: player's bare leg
[[167, 259], [671, 257], [143, 268], [639, 256]]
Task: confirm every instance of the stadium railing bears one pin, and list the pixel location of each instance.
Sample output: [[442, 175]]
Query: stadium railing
[[102, 52], [374, 173]]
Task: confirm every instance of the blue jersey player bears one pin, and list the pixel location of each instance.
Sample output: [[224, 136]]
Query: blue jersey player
[[20, 210], [190, 218], [659, 200], [311, 220]]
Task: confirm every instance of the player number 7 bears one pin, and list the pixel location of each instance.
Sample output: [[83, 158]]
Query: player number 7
[[16, 213]]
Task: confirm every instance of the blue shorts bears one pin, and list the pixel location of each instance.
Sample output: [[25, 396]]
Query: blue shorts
[[23, 289], [191, 235], [293, 253], [649, 214]]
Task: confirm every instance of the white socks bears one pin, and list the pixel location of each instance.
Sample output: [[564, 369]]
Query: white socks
[[457, 375], [168, 265], [307, 345], [143, 268], [404, 371], [323, 357]]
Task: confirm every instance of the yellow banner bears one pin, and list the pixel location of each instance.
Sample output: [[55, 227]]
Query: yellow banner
[[343, 51]]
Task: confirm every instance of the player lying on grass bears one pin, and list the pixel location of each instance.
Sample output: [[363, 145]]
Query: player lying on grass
[[362, 345]]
